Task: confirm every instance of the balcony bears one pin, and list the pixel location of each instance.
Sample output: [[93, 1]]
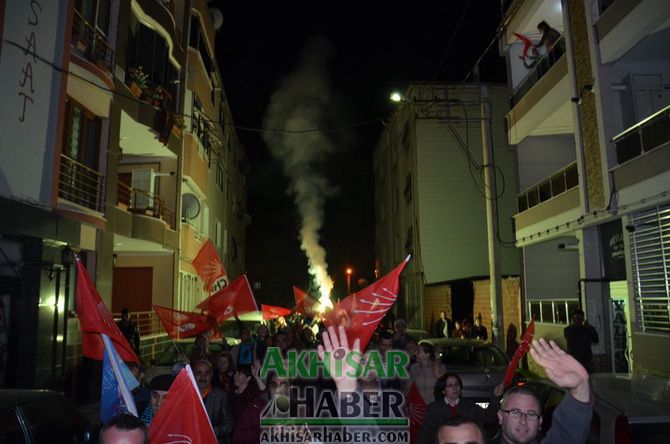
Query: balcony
[[145, 203], [80, 184], [643, 137], [541, 68], [549, 204], [91, 43]]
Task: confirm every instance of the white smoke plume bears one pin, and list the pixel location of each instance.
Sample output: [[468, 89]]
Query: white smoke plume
[[300, 102]]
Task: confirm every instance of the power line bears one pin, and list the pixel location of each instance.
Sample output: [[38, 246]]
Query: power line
[[451, 41]]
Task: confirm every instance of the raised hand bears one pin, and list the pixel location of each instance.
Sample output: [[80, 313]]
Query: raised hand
[[562, 369], [336, 363]]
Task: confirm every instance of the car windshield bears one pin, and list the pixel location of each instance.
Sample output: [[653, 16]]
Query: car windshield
[[473, 356]]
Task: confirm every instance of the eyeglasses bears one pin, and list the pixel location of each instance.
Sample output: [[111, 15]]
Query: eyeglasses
[[518, 414]]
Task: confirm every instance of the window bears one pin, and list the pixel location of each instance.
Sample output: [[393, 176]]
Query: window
[[82, 136], [95, 12], [197, 41], [217, 238], [233, 249], [220, 177], [552, 311], [650, 257], [408, 188]]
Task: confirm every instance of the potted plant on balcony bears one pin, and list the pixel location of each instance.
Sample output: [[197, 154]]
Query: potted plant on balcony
[[139, 80], [178, 125], [155, 96]]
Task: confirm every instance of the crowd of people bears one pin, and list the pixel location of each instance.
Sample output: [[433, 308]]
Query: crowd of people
[[235, 395]]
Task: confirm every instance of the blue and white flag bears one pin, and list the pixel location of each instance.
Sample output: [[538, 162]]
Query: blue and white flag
[[117, 383]]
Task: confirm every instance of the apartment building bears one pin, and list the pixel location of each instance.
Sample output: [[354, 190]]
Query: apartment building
[[119, 146], [429, 202], [590, 121]]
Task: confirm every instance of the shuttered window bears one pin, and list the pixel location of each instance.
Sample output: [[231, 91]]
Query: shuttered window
[[650, 254]]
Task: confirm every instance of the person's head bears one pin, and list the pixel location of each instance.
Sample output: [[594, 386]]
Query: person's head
[[245, 334], [202, 370], [578, 317], [137, 370], [520, 416], [400, 326], [202, 343], [411, 347], [426, 353], [277, 385], [385, 342], [457, 324], [243, 376], [224, 362], [460, 430], [478, 321], [448, 386], [124, 429], [125, 314], [542, 26], [443, 315], [159, 386], [281, 341], [262, 331]]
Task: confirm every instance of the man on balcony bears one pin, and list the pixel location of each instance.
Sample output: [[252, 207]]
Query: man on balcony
[[130, 330], [549, 38]]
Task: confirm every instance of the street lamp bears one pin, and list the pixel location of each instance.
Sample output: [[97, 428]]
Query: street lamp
[[396, 97], [349, 271]]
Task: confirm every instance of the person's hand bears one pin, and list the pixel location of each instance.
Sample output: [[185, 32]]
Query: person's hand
[[338, 349], [562, 369], [256, 368]]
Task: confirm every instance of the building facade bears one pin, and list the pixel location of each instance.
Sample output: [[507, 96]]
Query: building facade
[[119, 147], [429, 202], [591, 124]]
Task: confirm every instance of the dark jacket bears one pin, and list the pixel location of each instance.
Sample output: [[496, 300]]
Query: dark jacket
[[219, 410], [439, 410], [248, 423], [579, 339]]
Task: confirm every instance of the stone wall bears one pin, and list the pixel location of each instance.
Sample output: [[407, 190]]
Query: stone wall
[[511, 303], [436, 299]]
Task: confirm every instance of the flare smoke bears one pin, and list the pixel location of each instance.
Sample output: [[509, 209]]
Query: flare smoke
[[300, 102]]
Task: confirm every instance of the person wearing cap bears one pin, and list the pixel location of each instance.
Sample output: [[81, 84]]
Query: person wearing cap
[[159, 386]]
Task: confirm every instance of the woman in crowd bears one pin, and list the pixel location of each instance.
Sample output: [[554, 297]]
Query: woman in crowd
[[225, 371], [425, 372], [248, 403]]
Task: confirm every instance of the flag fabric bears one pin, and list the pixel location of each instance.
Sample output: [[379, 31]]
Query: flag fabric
[[361, 312], [209, 266], [185, 324], [521, 350], [416, 411], [117, 384], [305, 303], [95, 318], [527, 44], [182, 417], [233, 300], [272, 311]]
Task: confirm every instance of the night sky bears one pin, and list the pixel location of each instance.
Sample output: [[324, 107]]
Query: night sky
[[377, 48]]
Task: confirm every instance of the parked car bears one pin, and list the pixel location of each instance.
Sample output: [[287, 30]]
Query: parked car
[[42, 416], [418, 335], [481, 365], [628, 409]]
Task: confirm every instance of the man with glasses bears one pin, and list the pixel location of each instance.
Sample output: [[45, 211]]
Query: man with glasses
[[520, 414]]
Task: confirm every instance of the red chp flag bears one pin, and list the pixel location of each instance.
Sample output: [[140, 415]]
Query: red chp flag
[[95, 318], [182, 417], [233, 300], [271, 311], [305, 303], [519, 353], [527, 44], [185, 324], [416, 411], [361, 312], [209, 266]]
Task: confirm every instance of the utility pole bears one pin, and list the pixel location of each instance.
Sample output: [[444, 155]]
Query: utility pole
[[491, 194]]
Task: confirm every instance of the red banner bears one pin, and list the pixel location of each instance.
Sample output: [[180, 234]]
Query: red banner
[[305, 303], [95, 318], [185, 324], [209, 266], [237, 298], [361, 312], [416, 411], [272, 311]]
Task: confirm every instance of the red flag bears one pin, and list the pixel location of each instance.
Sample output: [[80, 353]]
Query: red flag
[[95, 318], [416, 411], [361, 312], [185, 324], [235, 299], [209, 266], [305, 303], [182, 417], [519, 353], [527, 44], [271, 311]]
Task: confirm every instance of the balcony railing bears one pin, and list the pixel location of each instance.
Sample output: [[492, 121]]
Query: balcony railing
[[538, 71], [644, 136], [144, 202], [558, 183], [80, 184], [91, 42], [147, 322]]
